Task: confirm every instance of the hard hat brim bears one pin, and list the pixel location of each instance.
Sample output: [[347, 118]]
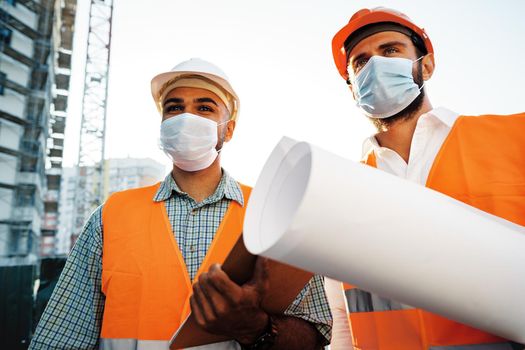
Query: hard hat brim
[[158, 82]]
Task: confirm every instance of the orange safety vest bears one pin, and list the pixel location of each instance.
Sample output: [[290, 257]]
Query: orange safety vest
[[481, 163], [144, 277]]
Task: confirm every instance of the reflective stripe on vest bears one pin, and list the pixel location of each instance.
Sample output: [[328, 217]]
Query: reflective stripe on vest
[[496, 184], [492, 346], [134, 344], [362, 301], [128, 344], [144, 276]]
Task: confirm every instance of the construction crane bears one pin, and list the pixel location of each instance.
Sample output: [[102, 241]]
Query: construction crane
[[90, 179]]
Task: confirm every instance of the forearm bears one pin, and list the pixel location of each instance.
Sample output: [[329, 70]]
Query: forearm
[[341, 331], [295, 333], [222, 307]]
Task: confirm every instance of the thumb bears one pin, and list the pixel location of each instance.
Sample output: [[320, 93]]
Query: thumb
[[260, 280]]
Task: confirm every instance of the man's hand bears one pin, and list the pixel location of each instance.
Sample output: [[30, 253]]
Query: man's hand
[[221, 306]]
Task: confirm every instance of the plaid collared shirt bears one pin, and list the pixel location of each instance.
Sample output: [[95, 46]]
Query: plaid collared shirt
[[73, 316]]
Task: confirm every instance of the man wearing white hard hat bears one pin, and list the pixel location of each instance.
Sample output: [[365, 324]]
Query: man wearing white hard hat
[[128, 280]]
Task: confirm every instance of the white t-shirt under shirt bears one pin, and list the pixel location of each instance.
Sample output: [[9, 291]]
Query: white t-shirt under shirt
[[432, 129]]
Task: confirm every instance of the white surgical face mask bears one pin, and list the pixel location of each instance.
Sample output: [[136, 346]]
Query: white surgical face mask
[[385, 86], [189, 141]]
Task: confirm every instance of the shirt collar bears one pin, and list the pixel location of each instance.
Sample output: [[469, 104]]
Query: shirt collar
[[440, 114], [227, 188], [446, 116]]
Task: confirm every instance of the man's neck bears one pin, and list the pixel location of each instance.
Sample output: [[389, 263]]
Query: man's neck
[[201, 184], [398, 136]]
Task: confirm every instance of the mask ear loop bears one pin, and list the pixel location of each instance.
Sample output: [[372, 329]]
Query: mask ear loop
[[420, 57], [219, 124], [424, 82]]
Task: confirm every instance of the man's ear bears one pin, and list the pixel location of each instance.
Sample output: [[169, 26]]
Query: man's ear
[[428, 65], [230, 127]]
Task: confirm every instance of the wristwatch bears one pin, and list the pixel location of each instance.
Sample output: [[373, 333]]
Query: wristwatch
[[266, 340]]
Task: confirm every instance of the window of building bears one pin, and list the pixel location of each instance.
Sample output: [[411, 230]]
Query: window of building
[[5, 36], [2, 82], [25, 196]]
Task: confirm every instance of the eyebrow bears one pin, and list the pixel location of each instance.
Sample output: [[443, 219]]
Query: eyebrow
[[205, 99], [392, 43], [381, 47], [173, 100], [197, 100]]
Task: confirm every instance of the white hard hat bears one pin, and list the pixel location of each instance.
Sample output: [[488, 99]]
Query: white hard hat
[[191, 68]]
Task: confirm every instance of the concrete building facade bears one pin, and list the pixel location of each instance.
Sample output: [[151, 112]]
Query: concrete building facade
[[36, 39], [35, 61]]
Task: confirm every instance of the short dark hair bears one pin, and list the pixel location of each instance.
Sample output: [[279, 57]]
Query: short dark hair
[[374, 28]]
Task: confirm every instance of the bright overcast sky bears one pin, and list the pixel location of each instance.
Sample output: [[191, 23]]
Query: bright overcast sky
[[277, 55]]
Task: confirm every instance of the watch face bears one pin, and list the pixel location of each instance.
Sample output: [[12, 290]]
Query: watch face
[[264, 342], [267, 338]]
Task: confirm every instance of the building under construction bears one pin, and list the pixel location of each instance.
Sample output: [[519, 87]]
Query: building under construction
[[36, 43]]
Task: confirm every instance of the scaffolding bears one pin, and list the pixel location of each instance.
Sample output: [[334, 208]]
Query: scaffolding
[[63, 29], [92, 130], [26, 79], [23, 226]]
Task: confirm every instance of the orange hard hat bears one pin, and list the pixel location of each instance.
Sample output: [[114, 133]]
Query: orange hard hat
[[365, 17]]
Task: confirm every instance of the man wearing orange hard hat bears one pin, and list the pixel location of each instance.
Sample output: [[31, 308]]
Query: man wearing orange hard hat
[[386, 59], [149, 255]]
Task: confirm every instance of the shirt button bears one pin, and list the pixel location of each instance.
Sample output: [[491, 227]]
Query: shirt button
[[192, 249], [194, 211]]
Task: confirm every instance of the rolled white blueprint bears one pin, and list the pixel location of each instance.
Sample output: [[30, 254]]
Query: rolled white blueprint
[[317, 211]]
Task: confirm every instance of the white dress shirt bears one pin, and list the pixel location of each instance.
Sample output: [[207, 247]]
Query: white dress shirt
[[432, 129]]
